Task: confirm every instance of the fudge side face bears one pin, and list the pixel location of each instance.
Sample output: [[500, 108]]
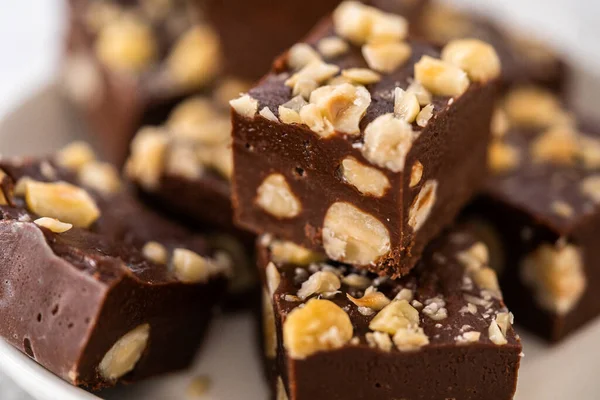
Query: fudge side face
[[539, 212], [362, 145], [335, 332], [101, 289]]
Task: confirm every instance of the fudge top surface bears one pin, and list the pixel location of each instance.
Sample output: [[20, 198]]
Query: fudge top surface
[[452, 291], [166, 46], [122, 237], [345, 76], [543, 161]]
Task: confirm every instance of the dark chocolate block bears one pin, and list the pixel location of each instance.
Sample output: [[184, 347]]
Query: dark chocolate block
[[253, 33], [128, 63], [360, 169], [524, 59], [442, 332], [97, 288], [540, 214]]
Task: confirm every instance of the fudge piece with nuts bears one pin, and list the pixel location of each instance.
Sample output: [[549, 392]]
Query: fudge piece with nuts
[[540, 212], [98, 288], [128, 63], [335, 332], [270, 27], [524, 59], [365, 149]]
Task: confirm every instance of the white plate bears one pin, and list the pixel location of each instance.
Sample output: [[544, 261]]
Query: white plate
[[228, 358]]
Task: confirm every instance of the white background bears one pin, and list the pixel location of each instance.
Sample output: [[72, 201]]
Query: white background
[[31, 33]]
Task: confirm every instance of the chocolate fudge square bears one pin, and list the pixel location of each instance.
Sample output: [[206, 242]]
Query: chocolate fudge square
[[524, 58], [253, 33], [128, 63], [334, 332], [102, 290], [362, 144], [539, 213]]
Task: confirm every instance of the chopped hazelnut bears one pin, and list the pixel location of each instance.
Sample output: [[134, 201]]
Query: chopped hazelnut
[[321, 282], [357, 281], [590, 187], [288, 252], [361, 76], [561, 208], [475, 257], [102, 177], [422, 205], [406, 105], [245, 106], [371, 299], [289, 116], [387, 142], [379, 340], [4, 197], [304, 88], [558, 145], [410, 339], [300, 55], [273, 278], [478, 59], [442, 23], [194, 60], [504, 321], [198, 387], [534, 107], [395, 316], [441, 78], [190, 267], [556, 275], [500, 123], [386, 57], [589, 152], [435, 309], [197, 119], [423, 95], [339, 108], [147, 159], [316, 71], [361, 24], [319, 325], [502, 157], [125, 353], [416, 173], [126, 44], [75, 155], [155, 252], [353, 236], [183, 161], [425, 115], [367, 180], [332, 47], [468, 337], [268, 114], [496, 335], [62, 201], [269, 329], [275, 196], [405, 294], [53, 224]]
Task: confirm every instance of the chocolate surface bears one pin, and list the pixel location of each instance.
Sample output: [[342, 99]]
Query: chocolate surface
[[445, 367], [311, 164], [69, 297]]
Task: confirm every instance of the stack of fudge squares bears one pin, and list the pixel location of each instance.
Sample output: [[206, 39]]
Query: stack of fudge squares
[[399, 174], [352, 159]]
